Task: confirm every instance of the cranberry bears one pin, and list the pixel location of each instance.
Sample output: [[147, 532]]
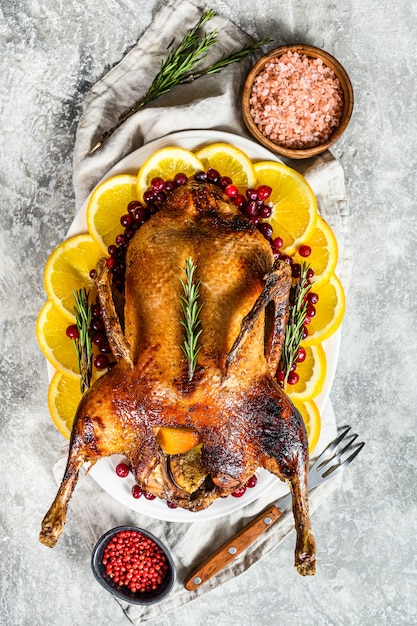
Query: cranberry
[[307, 321], [140, 215], [127, 220], [172, 505], [312, 297], [180, 179], [263, 192], [301, 355], [239, 492], [136, 492], [160, 197], [112, 249], [149, 195], [169, 186], [311, 310], [280, 376], [149, 496], [305, 332], [225, 181], [122, 470], [310, 273], [254, 220], [251, 208], [200, 177], [277, 244], [111, 262], [265, 229], [130, 232], [157, 184], [72, 332], [304, 251], [121, 240], [133, 205], [96, 310], [213, 176], [265, 211], [101, 361], [92, 274], [239, 201], [252, 481], [251, 194], [231, 191], [97, 324], [293, 378]]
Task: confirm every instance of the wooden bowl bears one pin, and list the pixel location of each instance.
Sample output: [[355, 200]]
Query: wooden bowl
[[332, 63]]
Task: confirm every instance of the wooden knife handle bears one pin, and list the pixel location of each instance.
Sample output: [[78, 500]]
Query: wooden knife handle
[[232, 548]]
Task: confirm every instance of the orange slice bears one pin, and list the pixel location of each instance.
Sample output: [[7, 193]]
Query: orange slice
[[312, 374], [324, 252], [312, 421], [294, 205], [229, 161], [68, 268], [106, 205], [53, 341], [177, 440], [329, 311], [165, 163], [64, 396]]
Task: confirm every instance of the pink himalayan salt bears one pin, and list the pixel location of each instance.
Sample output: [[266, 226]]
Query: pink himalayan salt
[[296, 101]]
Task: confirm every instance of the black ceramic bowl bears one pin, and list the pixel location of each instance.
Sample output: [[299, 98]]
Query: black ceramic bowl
[[122, 592]]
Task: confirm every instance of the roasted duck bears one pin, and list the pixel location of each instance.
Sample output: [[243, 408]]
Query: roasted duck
[[242, 417]]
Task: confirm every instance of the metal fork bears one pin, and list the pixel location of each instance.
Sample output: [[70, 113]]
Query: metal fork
[[338, 455]]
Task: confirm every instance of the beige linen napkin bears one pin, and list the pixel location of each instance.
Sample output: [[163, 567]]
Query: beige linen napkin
[[211, 102]]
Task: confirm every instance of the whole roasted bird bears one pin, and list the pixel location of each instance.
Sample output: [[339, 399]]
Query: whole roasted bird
[[242, 417]]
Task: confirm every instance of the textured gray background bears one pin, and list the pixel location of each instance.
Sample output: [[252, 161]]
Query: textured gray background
[[53, 51]]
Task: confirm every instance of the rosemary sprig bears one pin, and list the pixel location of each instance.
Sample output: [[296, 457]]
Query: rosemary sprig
[[83, 344], [294, 328], [191, 321], [178, 68]]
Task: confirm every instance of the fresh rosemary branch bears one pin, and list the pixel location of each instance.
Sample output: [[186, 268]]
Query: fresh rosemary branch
[[191, 321], [294, 328], [178, 68], [83, 344]]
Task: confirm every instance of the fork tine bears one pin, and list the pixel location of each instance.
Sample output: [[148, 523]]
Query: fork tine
[[327, 453], [335, 469]]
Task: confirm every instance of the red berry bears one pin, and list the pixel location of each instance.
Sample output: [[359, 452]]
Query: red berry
[[157, 184], [232, 191], [169, 186], [301, 354], [172, 505], [112, 249], [101, 361], [265, 211], [180, 179], [313, 297], [136, 491], [72, 332], [263, 192], [149, 196], [296, 270], [277, 244], [213, 176], [111, 262], [239, 492], [304, 251], [121, 240], [225, 181], [122, 470], [280, 376], [310, 272], [311, 310], [132, 206], [293, 378], [252, 481], [92, 274], [149, 496], [200, 177], [305, 332], [127, 220], [251, 194], [251, 208], [140, 215]]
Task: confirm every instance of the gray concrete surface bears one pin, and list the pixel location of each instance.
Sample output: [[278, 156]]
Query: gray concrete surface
[[52, 52]]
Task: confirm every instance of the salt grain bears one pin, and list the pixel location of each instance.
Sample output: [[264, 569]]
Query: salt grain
[[297, 100]]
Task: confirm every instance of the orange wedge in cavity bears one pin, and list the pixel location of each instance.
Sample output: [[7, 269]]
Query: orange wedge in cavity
[[165, 163], [229, 161], [177, 440], [330, 309], [64, 396], [324, 252], [312, 421], [107, 203], [312, 375], [68, 268], [294, 205], [53, 341]]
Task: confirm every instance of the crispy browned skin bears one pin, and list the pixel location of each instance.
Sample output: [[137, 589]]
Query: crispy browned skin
[[244, 418]]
